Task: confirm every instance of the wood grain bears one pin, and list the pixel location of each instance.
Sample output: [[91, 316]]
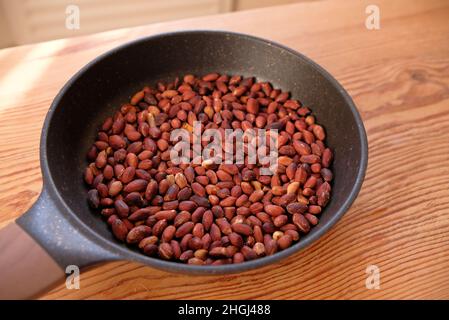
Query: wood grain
[[399, 79]]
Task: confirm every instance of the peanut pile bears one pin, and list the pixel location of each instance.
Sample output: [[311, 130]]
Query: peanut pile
[[208, 213]]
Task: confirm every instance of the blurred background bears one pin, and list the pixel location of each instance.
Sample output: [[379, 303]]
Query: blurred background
[[29, 21]]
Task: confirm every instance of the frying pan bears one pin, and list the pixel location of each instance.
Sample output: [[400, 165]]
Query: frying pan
[[60, 230]]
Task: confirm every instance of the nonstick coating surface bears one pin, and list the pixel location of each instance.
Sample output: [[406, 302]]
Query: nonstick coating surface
[[103, 85]]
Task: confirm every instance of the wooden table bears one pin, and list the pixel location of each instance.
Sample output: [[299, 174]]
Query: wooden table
[[399, 79]]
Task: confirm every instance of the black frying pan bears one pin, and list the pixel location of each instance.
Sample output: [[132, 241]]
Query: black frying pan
[[64, 231]]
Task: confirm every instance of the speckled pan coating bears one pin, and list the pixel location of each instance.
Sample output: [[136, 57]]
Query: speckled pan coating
[[61, 219]]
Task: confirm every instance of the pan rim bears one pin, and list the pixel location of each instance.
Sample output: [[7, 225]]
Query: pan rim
[[126, 253]]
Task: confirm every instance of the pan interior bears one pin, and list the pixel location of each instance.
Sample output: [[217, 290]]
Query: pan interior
[[98, 90]]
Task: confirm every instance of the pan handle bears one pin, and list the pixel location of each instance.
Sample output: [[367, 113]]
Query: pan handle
[[36, 249]]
